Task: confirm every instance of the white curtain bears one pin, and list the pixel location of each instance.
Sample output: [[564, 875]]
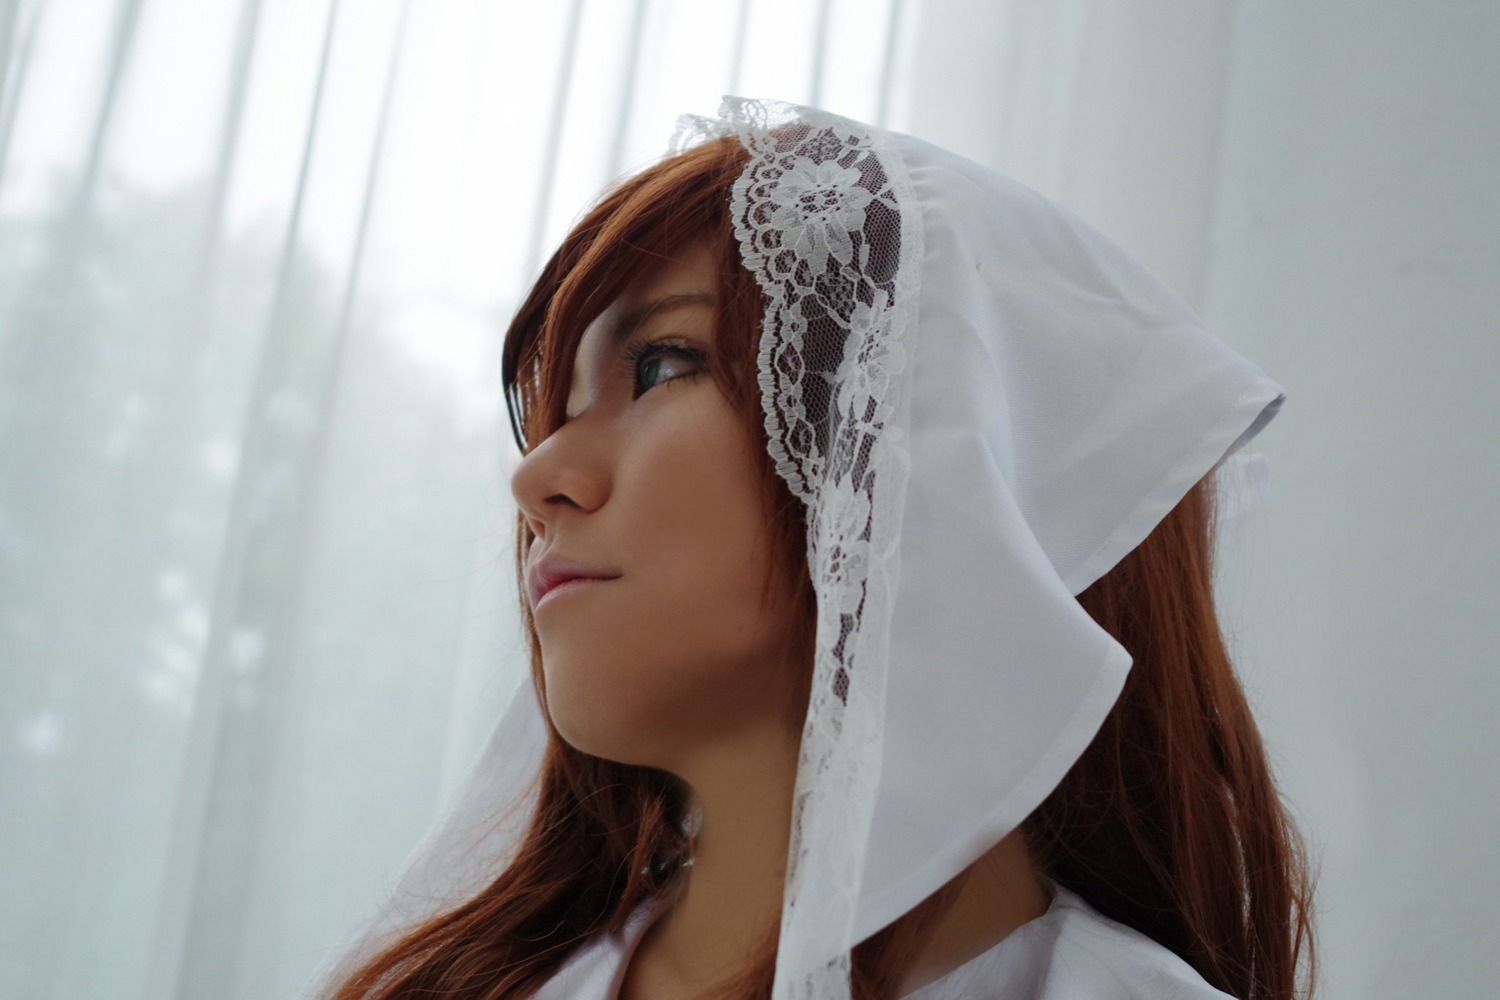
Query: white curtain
[[256, 597]]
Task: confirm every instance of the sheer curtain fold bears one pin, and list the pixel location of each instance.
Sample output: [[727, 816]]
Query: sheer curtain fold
[[256, 613], [12, 64]]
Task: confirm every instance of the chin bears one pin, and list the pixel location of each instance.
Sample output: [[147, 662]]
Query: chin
[[611, 738]]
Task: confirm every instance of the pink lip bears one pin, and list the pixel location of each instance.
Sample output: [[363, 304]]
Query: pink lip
[[564, 586], [548, 574]]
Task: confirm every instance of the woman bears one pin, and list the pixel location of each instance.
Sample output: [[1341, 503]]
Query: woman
[[866, 511]]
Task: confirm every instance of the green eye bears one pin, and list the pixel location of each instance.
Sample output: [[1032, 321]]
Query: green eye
[[644, 363], [651, 369]]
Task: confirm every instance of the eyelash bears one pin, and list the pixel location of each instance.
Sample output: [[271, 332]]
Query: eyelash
[[645, 350]]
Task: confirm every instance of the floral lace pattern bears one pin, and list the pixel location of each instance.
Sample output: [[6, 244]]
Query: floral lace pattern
[[828, 224]]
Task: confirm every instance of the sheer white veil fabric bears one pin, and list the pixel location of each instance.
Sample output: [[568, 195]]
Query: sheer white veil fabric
[[985, 405]]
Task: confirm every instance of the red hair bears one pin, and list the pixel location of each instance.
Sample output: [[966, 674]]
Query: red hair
[[1170, 822]]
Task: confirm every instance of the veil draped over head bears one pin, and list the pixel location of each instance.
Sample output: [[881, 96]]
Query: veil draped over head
[[984, 405]]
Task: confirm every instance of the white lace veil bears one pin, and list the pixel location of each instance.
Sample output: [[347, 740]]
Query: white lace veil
[[984, 405]]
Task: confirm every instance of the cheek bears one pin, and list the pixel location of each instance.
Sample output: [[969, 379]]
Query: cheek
[[680, 648], [704, 541]]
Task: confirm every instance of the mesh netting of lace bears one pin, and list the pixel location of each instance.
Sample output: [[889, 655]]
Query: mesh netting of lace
[[828, 224]]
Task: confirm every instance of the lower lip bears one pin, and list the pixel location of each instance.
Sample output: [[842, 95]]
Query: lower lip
[[577, 583]]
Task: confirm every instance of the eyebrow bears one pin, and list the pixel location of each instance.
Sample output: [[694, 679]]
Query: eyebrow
[[633, 319]]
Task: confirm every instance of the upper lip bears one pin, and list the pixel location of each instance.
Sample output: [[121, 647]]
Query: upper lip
[[548, 572]]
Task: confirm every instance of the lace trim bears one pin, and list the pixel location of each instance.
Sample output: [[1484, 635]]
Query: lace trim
[[828, 223]]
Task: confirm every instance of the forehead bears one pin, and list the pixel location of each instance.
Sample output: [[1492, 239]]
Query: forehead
[[683, 287]]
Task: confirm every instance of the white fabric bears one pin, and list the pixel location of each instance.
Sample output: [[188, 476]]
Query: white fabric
[[1043, 450], [1070, 952], [830, 226], [1073, 952], [985, 405]]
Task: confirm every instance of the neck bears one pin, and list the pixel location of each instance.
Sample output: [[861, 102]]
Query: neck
[[999, 892], [731, 895]]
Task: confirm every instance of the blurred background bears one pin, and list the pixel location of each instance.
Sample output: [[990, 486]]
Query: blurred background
[[257, 612]]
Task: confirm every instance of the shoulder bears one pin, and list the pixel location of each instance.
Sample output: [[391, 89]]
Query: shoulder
[[1095, 957], [599, 968], [1073, 952]]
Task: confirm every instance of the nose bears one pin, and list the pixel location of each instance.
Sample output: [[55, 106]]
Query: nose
[[566, 473]]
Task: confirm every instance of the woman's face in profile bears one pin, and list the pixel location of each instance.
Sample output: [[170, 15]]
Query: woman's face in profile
[[651, 480]]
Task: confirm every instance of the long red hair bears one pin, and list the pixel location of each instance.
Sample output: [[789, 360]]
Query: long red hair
[[1170, 822]]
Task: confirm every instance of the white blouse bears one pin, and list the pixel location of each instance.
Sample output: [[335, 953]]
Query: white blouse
[[1070, 952]]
